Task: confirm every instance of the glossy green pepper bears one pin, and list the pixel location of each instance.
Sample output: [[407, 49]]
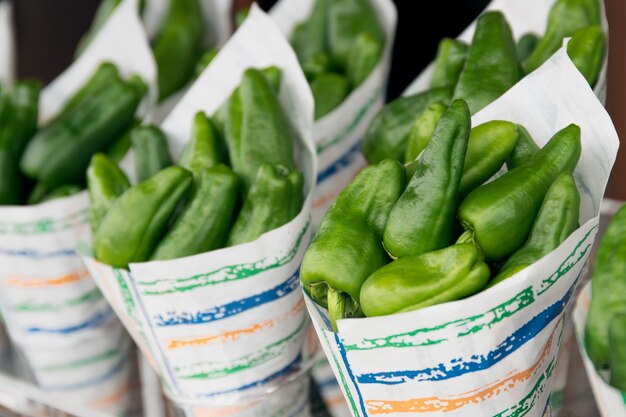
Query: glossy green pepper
[[18, 124], [309, 37], [524, 148], [179, 45], [565, 18], [347, 247], [388, 133], [274, 199], [60, 153], [105, 183], [617, 356], [526, 45], [450, 60], [329, 90], [256, 127], [151, 151], [37, 194], [422, 220], [586, 49], [105, 74], [556, 220], [422, 131], [137, 220], [415, 282], [205, 149], [492, 66], [363, 58], [498, 216], [205, 222], [608, 283]]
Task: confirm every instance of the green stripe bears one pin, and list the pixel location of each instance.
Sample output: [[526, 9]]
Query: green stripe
[[82, 362], [92, 295], [228, 273], [252, 360], [346, 388], [45, 225]]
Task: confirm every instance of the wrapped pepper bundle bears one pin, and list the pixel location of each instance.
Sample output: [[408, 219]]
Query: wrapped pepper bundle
[[481, 72], [385, 248], [201, 204], [338, 46], [605, 331], [55, 157]]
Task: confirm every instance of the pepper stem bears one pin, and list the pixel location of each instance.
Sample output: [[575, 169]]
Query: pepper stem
[[467, 236], [336, 306]]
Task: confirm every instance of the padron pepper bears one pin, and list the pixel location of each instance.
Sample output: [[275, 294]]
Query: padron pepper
[[556, 220], [137, 220], [492, 66], [329, 90], [498, 216], [204, 149], [419, 281], [450, 60], [347, 246], [118, 150], [608, 283], [274, 199], [526, 45], [524, 148], [363, 59], [205, 222], [18, 124], [105, 183], [388, 133], [617, 356], [422, 219], [423, 130], [309, 39], [151, 151], [586, 50], [105, 74]]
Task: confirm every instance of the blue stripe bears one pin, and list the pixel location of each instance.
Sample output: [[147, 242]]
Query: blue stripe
[[477, 362], [231, 309], [118, 367], [343, 161], [344, 357], [95, 321], [34, 254]]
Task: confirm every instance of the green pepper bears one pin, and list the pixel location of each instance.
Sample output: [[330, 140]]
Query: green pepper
[[37, 194], [309, 37], [18, 124], [347, 247], [274, 199], [205, 222], [204, 150], [274, 76], [255, 127], [498, 216], [415, 282], [608, 283], [329, 90], [490, 144], [617, 356], [423, 218], [61, 192], [556, 220], [586, 49], [137, 220], [363, 58], [105, 74], [492, 66], [105, 183], [179, 45], [422, 131], [526, 45], [60, 153], [388, 133], [524, 148], [450, 60], [565, 18], [118, 150], [151, 151], [104, 11], [204, 61]]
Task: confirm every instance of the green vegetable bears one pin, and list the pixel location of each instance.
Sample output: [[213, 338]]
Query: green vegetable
[[423, 130], [205, 149], [329, 90], [105, 183], [363, 58], [524, 148], [617, 355], [586, 49], [526, 45], [61, 192], [151, 151], [450, 60]]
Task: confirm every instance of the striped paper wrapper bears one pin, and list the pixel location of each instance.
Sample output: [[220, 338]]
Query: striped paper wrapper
[[224, 325], [492, 354], [7, 44], [68, 335], [338, 134], [610, 402]]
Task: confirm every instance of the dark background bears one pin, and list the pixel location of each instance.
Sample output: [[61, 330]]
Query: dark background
[[48, 31]]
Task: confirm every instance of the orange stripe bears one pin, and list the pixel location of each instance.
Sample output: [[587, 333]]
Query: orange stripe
[[30, 282], [335, 401], [436, 404], [325, 199], [233, 334], [112, 398], [225, 412]]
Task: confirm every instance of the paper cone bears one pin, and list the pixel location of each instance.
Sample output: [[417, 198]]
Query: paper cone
[[7, 44]]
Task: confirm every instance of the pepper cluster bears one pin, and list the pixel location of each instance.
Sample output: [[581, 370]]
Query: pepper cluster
[[399, 238], [201, 204], [481, 72], [42, 164], [338, 47]]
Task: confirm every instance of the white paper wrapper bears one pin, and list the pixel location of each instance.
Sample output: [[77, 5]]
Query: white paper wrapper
[[523, 16], [224, 324], [338, 134], [610, 402], [72, 341], [495, 352], [7, 44]]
